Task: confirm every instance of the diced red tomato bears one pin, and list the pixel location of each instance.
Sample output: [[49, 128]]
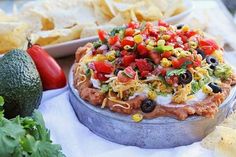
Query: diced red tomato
[[100, 76], [166, 54], [127, 60], [197, 63], [144, 73], [102, 35], [190, 33], [163, 23], [124, 53], [113, 40], [128, 41], [123, 77], [163, 71], [129, 32], [156, 57], [143, 65], [133, 25], [141, 48], [208, 46], [172, 80], [103, 67], [177, 63], [129, 71]]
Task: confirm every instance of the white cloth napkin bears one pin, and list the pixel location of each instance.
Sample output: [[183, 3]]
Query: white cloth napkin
[[78, 141]]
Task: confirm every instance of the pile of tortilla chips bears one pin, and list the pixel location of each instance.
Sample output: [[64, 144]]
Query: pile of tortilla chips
[[223, 139], [54, 21]]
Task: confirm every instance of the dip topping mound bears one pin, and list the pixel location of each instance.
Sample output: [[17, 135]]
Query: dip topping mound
[[153, 70]]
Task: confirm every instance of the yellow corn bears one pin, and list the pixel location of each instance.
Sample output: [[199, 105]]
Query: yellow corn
[[218, 54], [161, 42], [151, 42], [165, 62], [152, 95], [149, 47], [185, 28], [193, 44], [100, 57], [138, 38], [165, 37], [162, 28], [206, 89], [137, 117], [111, 55]]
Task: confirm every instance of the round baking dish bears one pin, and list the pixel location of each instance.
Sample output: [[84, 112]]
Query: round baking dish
[[162, 132]]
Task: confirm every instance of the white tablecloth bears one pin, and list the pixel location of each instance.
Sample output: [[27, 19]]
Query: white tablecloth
[[77, 141]]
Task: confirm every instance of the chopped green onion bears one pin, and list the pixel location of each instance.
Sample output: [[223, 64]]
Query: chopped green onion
[[161, 49]]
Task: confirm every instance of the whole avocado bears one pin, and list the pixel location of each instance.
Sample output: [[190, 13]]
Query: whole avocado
[[20, 84]]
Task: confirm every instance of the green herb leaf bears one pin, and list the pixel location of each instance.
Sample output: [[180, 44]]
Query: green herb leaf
[[184, 66], [161, 49], [175, 72], [1, 101], [116, 30], [105, 88], [97, 44]]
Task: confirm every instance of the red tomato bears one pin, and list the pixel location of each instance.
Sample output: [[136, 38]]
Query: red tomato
[[103, 67], [127, 60], [128, 41], [141, 48], [208, 46], [129, 32], [144, 73], [143, 65], [163, 71], [100, 76], [102, 35], [113, 40], [172, 80], [124, 53], [133, 25], [156, 57], [163, 23], [190, 33], [51, 74], [166, 54], [177, 63]]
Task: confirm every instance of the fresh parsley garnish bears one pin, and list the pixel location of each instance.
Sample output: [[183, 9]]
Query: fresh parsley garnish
[[105, 88]]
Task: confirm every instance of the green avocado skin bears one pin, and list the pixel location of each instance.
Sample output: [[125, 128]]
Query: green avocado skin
[[20, 84]]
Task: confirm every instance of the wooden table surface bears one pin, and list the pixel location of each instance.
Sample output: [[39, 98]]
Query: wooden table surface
[[208, 15]]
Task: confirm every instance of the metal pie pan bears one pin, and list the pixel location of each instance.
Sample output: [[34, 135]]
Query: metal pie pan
[[162, 132]]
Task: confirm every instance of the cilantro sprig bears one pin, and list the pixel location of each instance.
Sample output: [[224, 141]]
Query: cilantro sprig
[[26, 137]]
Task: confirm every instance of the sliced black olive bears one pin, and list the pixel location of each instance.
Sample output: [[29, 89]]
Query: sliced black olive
[[117, 71], [212, 61], [148, 106], [202, 53], [186, 77], [180, 26], [215, 88]]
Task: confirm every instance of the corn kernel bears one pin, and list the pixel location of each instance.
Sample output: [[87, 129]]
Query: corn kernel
[[184, 54], [165, 37], [138, 38], [185, 28], [137, 117], [162, 28], [218, 54], [151, 42], [100, 57], [165, 62], [206, 89], [111, 55], [152, 95], [161, 42], [193, 44], [150, 48]]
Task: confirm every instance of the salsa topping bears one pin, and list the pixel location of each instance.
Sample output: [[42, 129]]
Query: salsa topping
[[156, 62]]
